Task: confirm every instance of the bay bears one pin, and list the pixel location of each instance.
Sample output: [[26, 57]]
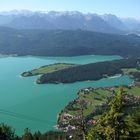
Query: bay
[[25, 104]]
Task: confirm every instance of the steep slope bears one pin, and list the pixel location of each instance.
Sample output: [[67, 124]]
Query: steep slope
[[68, 20], [115, 22]]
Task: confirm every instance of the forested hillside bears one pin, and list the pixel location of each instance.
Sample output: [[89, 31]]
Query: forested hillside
[[66, 43]]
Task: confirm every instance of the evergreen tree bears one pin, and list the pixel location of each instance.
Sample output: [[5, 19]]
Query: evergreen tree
[[6, 132], [133, 125], [37, 136], [27, 135], [111, 124]]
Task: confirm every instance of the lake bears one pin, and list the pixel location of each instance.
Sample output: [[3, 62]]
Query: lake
[[25, 104]]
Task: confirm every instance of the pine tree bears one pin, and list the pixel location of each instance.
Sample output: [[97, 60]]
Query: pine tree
[[27, 135], [133, 125], [111, 124], [6, 132]]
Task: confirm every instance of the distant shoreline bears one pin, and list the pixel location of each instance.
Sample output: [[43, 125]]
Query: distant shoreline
[[115, 76]]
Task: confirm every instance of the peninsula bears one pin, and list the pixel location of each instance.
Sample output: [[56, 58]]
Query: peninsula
[[69, 73], [93, 71]]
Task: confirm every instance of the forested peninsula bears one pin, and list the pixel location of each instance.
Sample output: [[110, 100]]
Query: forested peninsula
[[93, 71]]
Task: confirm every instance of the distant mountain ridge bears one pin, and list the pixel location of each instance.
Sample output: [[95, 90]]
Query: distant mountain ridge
[[68, 20]]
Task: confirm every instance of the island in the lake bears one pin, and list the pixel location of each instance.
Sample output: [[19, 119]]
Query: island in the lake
[[69, 73]]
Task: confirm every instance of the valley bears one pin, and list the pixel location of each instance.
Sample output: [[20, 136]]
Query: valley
[[71, 74]]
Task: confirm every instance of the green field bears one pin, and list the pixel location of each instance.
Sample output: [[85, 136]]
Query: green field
[[47, 69], [134, 91], [128, 71], [95, 98], [51, 68]]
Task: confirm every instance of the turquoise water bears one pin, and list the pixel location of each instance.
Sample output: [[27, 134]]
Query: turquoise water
[[25, 104]]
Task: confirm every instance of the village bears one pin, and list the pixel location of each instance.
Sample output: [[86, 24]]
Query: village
[[71, 118]]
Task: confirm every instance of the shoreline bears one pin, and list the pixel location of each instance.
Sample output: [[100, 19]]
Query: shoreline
[[69, 113], [114, 76]]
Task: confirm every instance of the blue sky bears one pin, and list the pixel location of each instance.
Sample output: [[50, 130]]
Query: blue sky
[[121, 8]]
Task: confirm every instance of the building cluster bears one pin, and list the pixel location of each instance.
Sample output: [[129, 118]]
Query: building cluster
[[67, 122], [91, 89]]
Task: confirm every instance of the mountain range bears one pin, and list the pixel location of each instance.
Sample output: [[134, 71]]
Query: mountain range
[[69, 20]]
